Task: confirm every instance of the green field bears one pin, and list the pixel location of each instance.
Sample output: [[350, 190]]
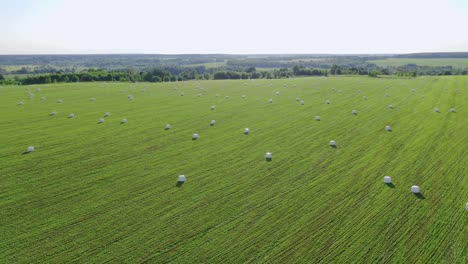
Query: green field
[[96, 193], [455, 63]]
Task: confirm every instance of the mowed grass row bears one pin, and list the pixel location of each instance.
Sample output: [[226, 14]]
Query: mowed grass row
[[107, 192]]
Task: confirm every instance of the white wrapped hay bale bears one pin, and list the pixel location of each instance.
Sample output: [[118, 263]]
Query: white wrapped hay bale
[[60, 101], [390, 106], [124, 121], [182, 94], [72, 115], [270, 100], [354, 112], [30, 149], [195, 136], [332, 143], [277, 93], [268, 156], [364, 97], [466, 207], [92, 99], [243, 96], [436, 110], [452, 110], [327, 101], [246, 131], [181, 178], [212, 123], [415, 189], [53, 113], [298, 99], [317, 118], [388, 128], [101, 120], [302, 102], [168, 126], [387, 179], [226, 97], [212, 107], [199, 95], [20, 103], [43, 98], [107, 114]]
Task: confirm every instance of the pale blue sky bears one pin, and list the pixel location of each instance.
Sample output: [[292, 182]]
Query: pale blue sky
[[241, 26]]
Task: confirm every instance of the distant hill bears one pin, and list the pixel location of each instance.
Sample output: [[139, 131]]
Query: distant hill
[[435, 55]]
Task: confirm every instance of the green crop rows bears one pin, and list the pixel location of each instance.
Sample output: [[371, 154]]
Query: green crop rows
[[108, 192]]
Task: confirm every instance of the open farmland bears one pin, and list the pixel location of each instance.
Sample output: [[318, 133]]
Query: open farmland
[[107, 192], [458, 63]]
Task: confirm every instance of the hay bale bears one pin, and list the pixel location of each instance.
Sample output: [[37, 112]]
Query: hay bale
[[415, 189], [124, 121], [466, 207], [298, 99], [212, 107], [243, 96], [246, 131], [390, 106], [354, 112], [226, 97], [387, 179], [436, 110], [43, 98], [195, 136], [364, 97], [107, 114], [268, 156], [212, 123], [101, 120], [168, 126], [388, 128], [199, 95], [302, 102], [277, 93], [182, 94], [452, 110], [181, 178], [332, 143], [60, 101], [317, 118], [30, 149], [92, 99], [270, 100], [327, 101], [20, 103], [53, 113], [72, 115]]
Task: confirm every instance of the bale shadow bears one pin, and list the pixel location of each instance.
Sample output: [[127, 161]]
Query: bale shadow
[[26, 152], [193, 139], [179, 184], [268, 159], [122, 123], [51, 115], [333, 147], [420, 196], [390, 185]]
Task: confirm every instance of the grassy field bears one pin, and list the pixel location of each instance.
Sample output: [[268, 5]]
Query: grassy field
[[108, 192], [455, 63]]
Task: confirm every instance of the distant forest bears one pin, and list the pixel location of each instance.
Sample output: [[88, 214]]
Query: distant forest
[[35, 69]]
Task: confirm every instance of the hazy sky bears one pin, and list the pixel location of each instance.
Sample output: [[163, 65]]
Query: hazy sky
[[234, 26]]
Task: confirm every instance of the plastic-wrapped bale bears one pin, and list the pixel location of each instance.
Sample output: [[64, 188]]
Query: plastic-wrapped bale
[[101, 120], [277, 93], [195, 136], [388, 128], [124, 120], [387, 179], [268, 156], [358, 91], [466, 207], [92, 99], [317, 118], [226, 97], [387, 95], [20, 103], [43, 98], [246, 131], [452, 110], [332, 143], [298, 99], [354, 112], [38, 89], [243, 96], [72, 115], [30, 149], [270, 100], [199, 95], [107, 114], [168, 126], [413, 90], [212, 107], [436, 110], [60, 101], [182, 94], [181, 178], [212, 123], [327, 101], [415, 189], [302, 102], [390, 106], [53, 113], [364, 97]]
